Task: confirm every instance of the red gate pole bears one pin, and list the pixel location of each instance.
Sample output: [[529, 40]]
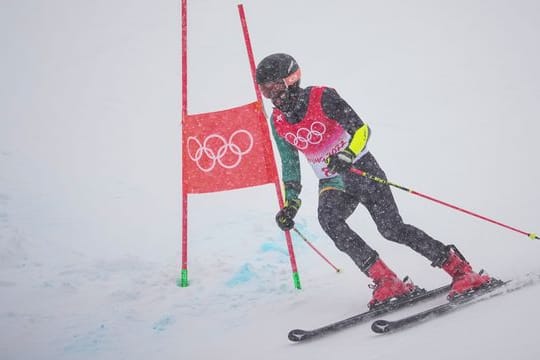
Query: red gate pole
[[271, 164], [183, 281]]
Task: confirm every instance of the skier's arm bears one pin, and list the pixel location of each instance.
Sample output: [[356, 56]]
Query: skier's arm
[[290, 166], [336, 108]]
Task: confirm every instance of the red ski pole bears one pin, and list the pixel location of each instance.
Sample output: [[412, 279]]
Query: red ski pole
[[532, 236], [315, 249]]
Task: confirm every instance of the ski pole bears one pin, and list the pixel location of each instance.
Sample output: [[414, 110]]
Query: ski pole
[[315, 249], [532, 236]]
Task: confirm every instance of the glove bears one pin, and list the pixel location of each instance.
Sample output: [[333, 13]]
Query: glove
[[341, 162], [285, 216]]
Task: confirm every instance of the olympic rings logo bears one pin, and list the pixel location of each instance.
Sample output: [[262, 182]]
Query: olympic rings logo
[[304, 137], [215, 148]]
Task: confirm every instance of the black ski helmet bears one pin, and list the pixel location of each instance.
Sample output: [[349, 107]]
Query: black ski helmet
[[277, 67]]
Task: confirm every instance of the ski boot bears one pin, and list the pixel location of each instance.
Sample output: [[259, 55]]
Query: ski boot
[[464, 279], [387, 286]]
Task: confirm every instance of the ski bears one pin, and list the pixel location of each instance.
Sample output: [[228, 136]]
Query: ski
[[496, 288], [297, 335]]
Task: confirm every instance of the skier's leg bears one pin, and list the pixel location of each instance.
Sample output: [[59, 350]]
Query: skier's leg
[[335, 207], [379, 201]]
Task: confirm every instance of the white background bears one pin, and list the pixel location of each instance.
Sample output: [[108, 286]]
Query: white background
[[90, 176]]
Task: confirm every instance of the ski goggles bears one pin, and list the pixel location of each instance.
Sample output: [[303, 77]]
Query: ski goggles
[[270, 88]]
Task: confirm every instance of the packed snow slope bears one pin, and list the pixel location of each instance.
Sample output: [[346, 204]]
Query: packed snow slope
[[90, 176]]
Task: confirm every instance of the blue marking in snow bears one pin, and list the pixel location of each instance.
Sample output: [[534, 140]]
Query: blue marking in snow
[[163, 323], [268, 246], [243, 275], [92, 342]]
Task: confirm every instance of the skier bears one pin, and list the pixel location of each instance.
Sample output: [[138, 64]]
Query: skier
[[319, 123]]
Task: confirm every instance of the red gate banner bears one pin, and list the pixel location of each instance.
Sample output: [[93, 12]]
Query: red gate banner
[[226, 150]]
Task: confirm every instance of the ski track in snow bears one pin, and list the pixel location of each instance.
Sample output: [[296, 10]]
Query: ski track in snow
[[93, 303]]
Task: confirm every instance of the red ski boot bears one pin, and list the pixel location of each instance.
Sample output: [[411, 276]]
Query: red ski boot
[[463, 277], [387, 285]]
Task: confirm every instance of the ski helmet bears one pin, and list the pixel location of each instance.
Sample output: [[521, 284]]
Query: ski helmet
[[277, 67]]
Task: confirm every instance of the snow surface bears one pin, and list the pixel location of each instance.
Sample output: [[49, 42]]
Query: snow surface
[[90, 173]]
